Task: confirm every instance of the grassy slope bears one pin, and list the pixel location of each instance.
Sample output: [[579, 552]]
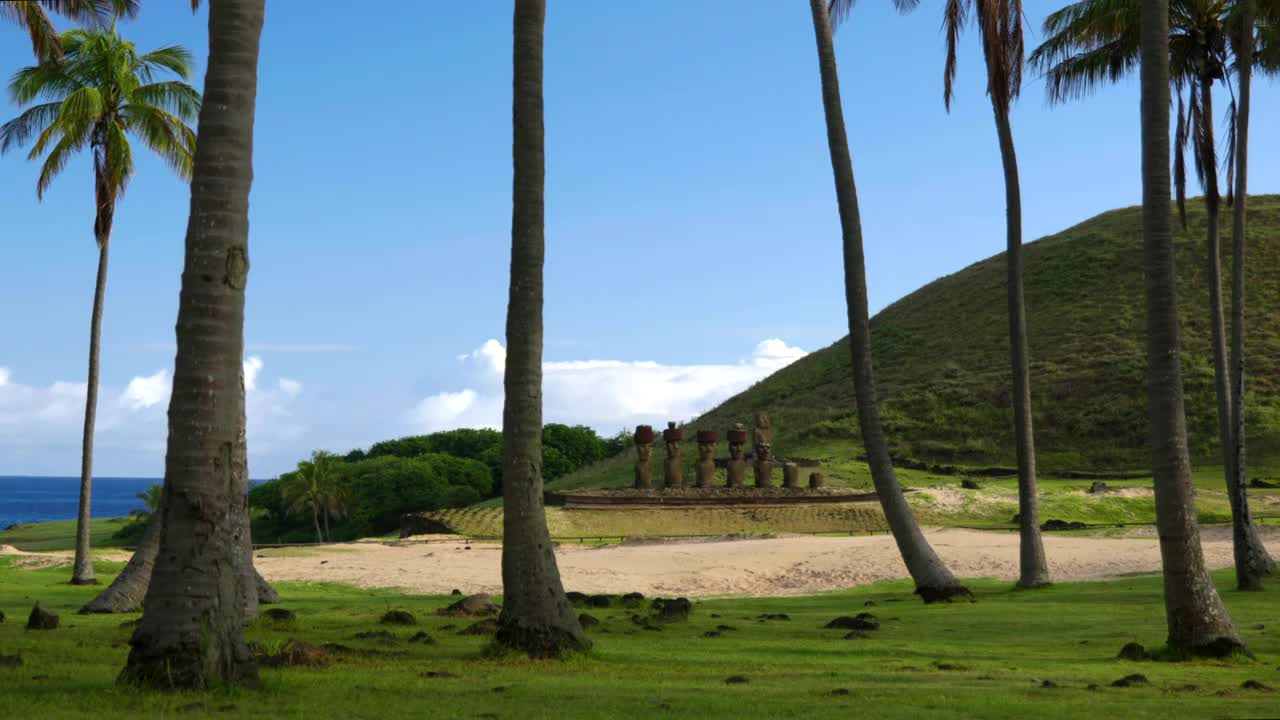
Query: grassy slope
[[941, 359], [1000, 648], [61, 535]]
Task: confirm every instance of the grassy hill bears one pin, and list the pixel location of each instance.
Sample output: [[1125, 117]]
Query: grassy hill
[[941, 360]]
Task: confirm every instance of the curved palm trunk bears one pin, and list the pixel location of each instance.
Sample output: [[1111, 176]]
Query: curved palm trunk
[[192, 631], [1034, 571], [83, 569], [327, 535], [1251, 557], [1198, 622], [536, 616], [934, 582], [315, 520]]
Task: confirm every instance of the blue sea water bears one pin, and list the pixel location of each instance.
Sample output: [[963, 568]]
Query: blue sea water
[[36, 499]]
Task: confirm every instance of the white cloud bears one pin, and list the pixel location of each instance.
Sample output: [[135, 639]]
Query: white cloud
[[149, 391], [4, 376], [252, 366], [290, 387], [604, 394]]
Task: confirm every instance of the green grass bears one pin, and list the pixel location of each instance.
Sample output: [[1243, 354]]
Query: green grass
[[61, 535], [1000, 648]]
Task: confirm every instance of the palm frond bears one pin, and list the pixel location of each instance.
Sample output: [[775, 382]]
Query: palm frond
[[164, 134], [34, 121], [82, 107], [840, 9], [32, 18], [117, 158], [954, 14], [175, 58], [1087, 43], [47, 81], [56, 162], [174, 97]]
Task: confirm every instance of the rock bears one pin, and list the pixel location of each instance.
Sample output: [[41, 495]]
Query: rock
[[1255, 685], [856, 635], [949, 666], [711, 634], [576, 598], [422, 637], [280, 614], [1259, 626], [862, 621], [398, 617], [380, 635], [599, 601], [672, 610], [10, 661], [479, 605], [1062, 525], [726, 628], [438, 674], [774, 616], [1, 616], [1098, 488], [633, 598], [736, 680], [970, 484], [1262, 484], [1048, 684], [484, 627], [41, 619], [869, 603], [294, 653], [838, 692], [587, 621], [1133, 680], [456, 592], [501, 689], [1133, 651]]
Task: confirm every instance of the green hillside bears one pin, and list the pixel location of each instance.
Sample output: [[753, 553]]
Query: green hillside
[[941, 359]]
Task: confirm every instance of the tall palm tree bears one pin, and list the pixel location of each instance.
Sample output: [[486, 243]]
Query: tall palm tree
[[192, 630], [536, 616], [33, 16], [1198, 621], [98, 95], [934, 582], [309, 489], [1000, 28], [1094, 41]]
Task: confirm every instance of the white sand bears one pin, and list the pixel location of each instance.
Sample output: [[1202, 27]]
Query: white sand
[[779, 566]]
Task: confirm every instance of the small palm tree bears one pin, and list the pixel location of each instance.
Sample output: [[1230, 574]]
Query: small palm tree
[[94, 98], [33, 16], [312, 490]]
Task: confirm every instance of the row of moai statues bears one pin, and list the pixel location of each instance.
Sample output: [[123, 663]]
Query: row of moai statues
[[705, 468]]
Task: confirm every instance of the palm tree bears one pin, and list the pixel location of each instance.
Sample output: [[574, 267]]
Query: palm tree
[[536, 618], [96, 97], [313, 490], [1251, 558], [33, 16], [191, 634], [1093, 41], [934, 582], [1198, 622], [1000, 27]]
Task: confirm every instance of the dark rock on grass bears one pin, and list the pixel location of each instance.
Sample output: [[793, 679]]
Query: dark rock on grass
[[633, 598], [295, 653], [280, 614], [501, 689], [456, 592], [379, 635], [736, 680], [10, 661], [587, 621], [1098, 487], [484, 627], [949, 666], [856, 635], [42, 619], [869, 603], [438, 674], [1134, 680], [1091, 686], [1259, 626], [672, 610], [862, 621], [1048, 684], [715, 616], [1, 616], [1062, 525], [773, 616], [39, 677], [422, 637], [1133, 651], [1255, 685], [577, 598], [479, 605], [726, 628], [398, 617], [599, 601], [970, 484], [1262, 484], [711, 634], [839, 692]]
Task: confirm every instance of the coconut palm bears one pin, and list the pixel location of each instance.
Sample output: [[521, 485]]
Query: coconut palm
[[96, 98], [314, 489], [934, 582], [1198, 621], [191, 634], [1095, 41], [536, 618], [1000, 30], [33, 16]]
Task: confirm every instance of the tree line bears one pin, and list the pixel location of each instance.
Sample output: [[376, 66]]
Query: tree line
[[201, 583]]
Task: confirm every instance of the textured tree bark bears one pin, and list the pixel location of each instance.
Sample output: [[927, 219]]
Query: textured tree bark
[[1034, 570], [934, 582], [536, 618], [1198, 621], [191, 635], [1251, 557]]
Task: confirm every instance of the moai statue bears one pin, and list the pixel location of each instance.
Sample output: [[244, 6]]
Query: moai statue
[[816, 481], [673, 471], [762, 440], [644, 449], [737, 465], [706, 467], [790, 475]]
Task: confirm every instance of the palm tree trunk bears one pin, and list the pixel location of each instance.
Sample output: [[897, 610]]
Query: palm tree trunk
[[327, 535], [315, 520], [192, 631], [1251, 556], [1034, 570], [934, 582], [1198, 621], [83, 571], [536, 616]]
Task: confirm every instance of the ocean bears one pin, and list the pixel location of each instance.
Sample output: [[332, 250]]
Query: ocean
[[36, 499]]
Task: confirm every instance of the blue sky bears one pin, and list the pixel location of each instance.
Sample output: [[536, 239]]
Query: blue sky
[[692, 236]]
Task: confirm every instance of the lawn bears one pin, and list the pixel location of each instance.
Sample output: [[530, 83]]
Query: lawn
[[988, 659], [61, 535]]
